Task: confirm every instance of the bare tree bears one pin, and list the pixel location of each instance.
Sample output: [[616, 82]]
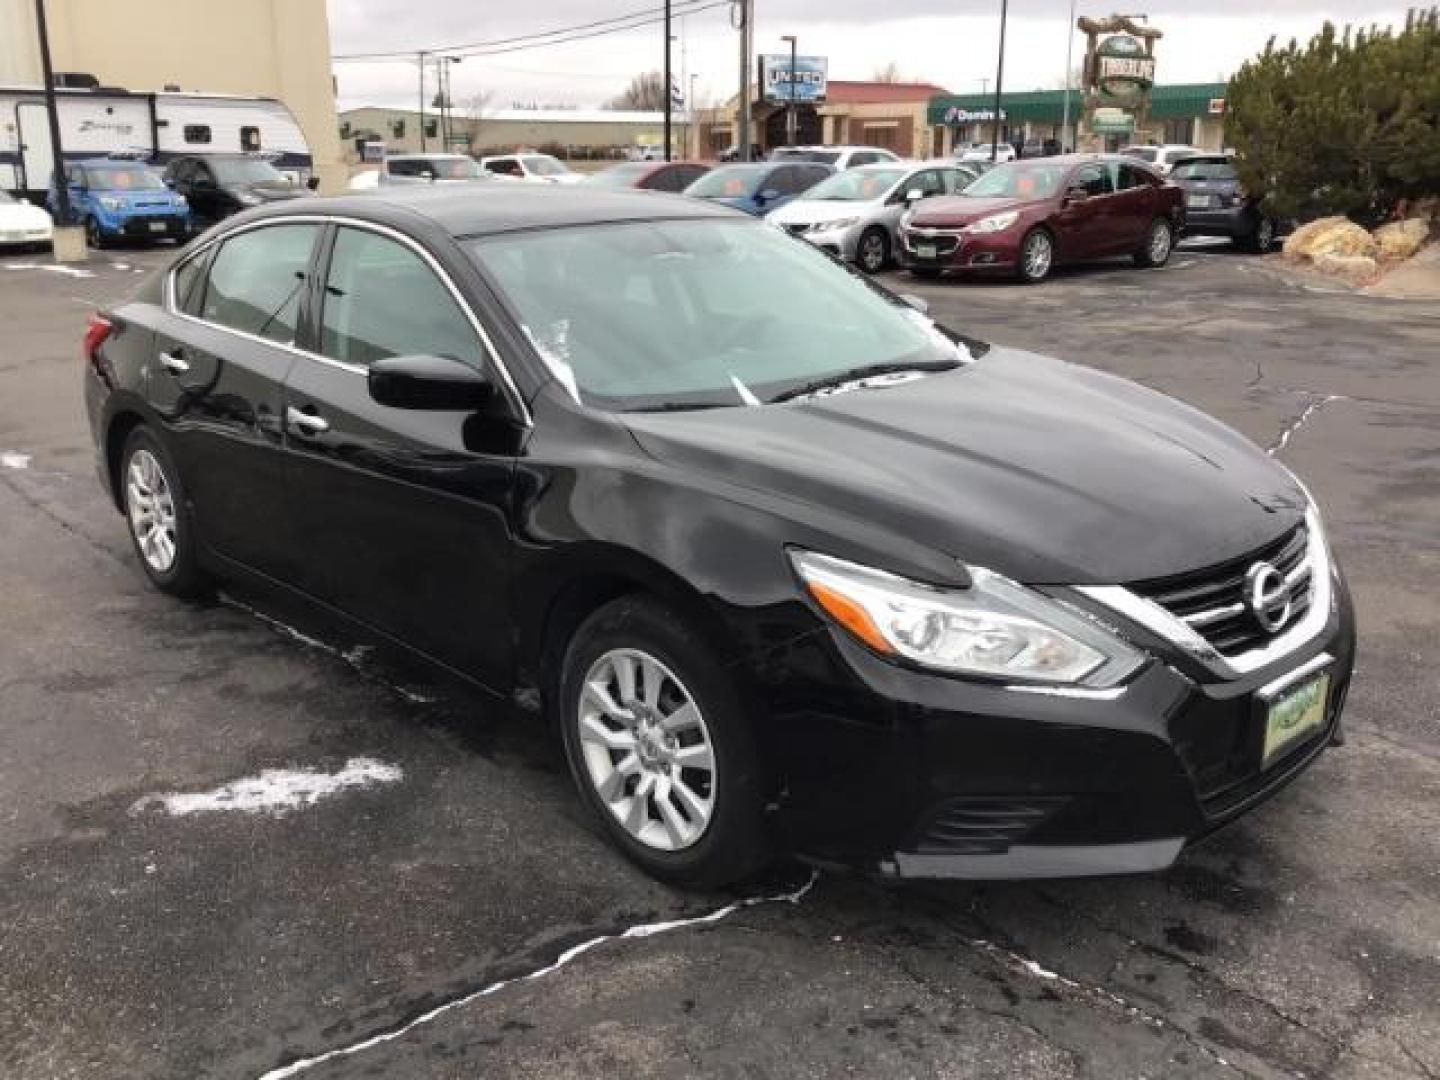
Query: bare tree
[[890, 73], [646, 93], [477, 111]]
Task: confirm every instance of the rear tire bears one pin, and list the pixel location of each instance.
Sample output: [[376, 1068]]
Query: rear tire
[[660, 746], [155, 511], [1037, 257], [1262, 240], [1158, 244]]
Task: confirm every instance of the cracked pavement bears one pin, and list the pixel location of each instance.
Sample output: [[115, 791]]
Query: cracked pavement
[[1303, 941]]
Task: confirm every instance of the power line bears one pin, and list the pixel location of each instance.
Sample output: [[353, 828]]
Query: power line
[[576, 32]]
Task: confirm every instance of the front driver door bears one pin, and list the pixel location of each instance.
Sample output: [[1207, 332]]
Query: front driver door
[[403, 513]]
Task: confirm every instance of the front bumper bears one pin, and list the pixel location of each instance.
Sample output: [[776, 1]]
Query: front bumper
[[909, 774], [955, 250]]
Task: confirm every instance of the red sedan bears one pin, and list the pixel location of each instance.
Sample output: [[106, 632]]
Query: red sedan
[[1024, 217]]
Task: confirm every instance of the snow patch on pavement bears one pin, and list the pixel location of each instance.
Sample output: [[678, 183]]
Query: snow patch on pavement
[[644, 930], [10, 460], [1299, 422], [274, 791]]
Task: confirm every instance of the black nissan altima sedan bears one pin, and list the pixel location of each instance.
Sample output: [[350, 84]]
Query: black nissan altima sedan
[[789, 565]]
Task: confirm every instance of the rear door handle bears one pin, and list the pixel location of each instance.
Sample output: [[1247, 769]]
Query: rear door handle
[[309, 423], [174, 362]]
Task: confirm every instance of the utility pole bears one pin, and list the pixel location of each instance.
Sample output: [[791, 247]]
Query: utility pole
[[790, 119], [422, 54], [669, 86], [66, 248], [1066, 143], [742, 106], [999, 83]]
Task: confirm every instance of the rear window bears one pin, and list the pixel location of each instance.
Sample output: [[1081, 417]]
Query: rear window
[[1204, 170]]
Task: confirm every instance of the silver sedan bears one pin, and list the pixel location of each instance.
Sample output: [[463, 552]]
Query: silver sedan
[[856, 214]]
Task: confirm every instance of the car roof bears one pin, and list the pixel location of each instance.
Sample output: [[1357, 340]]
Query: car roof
[[112, 163], [462, 211], [428, 157]]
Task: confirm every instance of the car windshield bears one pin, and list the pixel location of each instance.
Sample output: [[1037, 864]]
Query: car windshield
[[857, 185], [110, 179], [1144, 153], [700, 313], [246, 171], [1019, 180], [543, 165], [619, 176], [1204, 170], [732, 182], [822, 157], [455, 168]]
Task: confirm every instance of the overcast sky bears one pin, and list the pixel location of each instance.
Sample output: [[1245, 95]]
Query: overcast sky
[[948, 42]]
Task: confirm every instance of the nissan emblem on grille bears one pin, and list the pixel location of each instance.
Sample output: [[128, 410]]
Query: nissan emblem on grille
[[1268, 596]]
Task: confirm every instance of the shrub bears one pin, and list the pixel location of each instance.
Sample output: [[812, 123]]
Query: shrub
[[1347, 124]]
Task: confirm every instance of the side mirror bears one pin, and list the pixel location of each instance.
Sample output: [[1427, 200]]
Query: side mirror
[[919, 303], [313, 183], [768, 195], [429, 382], [1076, 194]]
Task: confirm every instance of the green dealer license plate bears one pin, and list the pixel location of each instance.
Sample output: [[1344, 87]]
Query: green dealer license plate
[[1295, 716]]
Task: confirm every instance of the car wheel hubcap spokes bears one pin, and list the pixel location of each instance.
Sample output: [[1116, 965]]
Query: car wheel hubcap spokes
[[1159, 243], [874, 254], [1037, 256], [1266, 236], [152, 511], [647, 750]]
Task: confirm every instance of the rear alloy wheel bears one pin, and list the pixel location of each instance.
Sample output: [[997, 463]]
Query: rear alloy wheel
[[1263, 238], [660, 748], [1159, 242], [154, 508], [1037, 256], [873, 251]]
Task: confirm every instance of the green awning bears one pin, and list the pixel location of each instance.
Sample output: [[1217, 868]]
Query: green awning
[[1048, 106]]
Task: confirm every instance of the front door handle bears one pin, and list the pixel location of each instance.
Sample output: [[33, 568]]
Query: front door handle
[[174, 362], [309, 423]]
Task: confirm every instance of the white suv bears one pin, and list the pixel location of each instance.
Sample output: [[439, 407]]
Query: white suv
[[1162, 157], [536, 168], [842, 157]]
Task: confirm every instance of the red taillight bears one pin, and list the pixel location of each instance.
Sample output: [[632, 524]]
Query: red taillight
[[96, 331]]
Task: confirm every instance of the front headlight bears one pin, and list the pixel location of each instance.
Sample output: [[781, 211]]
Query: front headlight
[[995, 628], [995, 223], [109, 203]]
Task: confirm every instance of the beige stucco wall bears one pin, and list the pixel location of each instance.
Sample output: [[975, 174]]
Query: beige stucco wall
[[264, 48], [505, 133]]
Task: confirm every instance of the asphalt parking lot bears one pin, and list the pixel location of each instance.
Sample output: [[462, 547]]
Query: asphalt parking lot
[[432, 903]]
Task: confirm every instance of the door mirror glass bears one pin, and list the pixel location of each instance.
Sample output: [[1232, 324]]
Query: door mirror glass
[[429, 382]]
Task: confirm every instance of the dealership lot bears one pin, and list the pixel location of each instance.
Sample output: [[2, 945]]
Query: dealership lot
[[433, 850]]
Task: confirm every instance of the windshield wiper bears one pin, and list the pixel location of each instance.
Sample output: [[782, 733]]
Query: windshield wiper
[[869, 371]]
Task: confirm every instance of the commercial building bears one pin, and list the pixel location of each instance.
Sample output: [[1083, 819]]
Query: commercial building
[[1191, 113], [889, 115], [572, 133], [259, 48]]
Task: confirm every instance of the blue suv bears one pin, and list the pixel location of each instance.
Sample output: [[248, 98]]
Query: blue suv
[[119, 199]]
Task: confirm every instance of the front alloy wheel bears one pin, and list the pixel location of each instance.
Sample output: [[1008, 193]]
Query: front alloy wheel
[[1159, 240], [1263, 239], [874, 251], [1037, 256]]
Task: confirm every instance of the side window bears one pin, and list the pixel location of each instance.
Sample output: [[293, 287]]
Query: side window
[[1131, 177], [189, 284], [1093, 179], [954, 180], [864, 157], [197, 133], [250, 139], [381, 299], [929, 182], [505, 167], [256, 280], [403, 168], [782, 180]]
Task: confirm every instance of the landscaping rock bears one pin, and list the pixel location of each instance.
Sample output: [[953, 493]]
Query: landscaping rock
[[1401, 239], [1337, 236], [1356, 269]]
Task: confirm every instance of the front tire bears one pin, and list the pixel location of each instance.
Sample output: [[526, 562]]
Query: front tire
[[872, 253], [1037, 257], [660, 747], [1262, 240], [94, 236], [1158, 244], [155, 510]]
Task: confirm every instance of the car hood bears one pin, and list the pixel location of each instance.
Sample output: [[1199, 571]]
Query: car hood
[[1046, 472], [22, 216], [948, 211], [811, 211], [272, 192]]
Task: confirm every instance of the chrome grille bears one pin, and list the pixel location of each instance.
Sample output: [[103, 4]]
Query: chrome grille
[[1213, 602]]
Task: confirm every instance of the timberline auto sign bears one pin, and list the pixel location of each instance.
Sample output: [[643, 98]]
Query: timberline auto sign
[[1122, 68]]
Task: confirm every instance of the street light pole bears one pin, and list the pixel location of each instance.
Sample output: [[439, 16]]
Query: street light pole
[[790, 118], [1066, 143], [423, 147], [57, 152], [999, 81], [669, 87], [742, 102]]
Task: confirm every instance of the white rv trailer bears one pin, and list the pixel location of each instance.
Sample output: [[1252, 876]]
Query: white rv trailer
[[156, 127]]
